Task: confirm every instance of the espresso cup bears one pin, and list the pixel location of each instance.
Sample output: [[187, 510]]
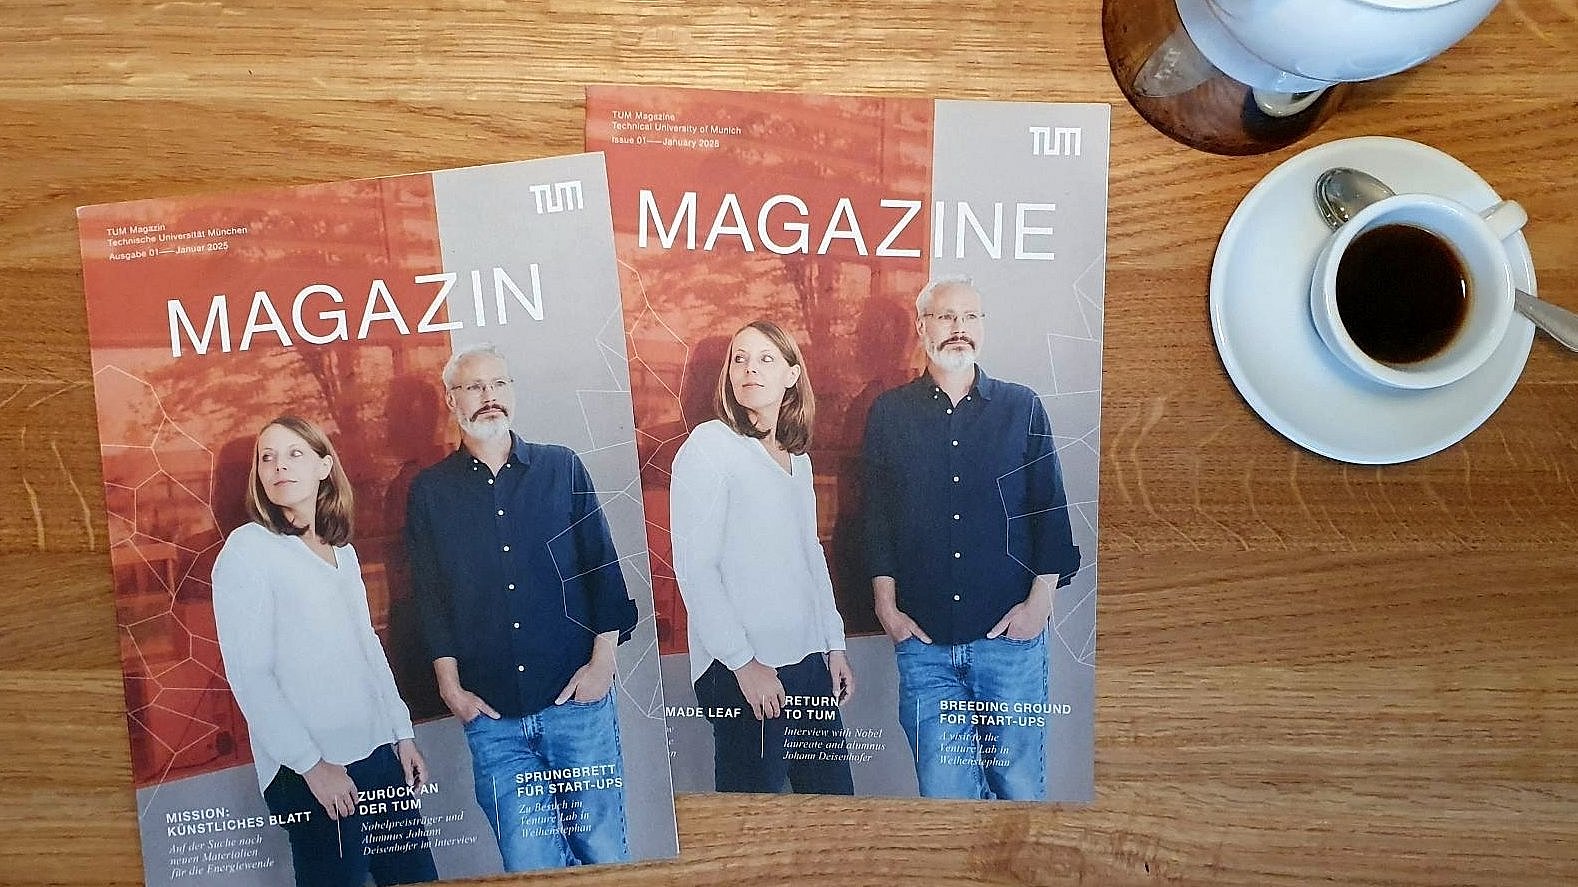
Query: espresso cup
[[1416, 291]]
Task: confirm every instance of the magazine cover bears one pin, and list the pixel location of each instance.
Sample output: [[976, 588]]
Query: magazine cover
[[378, 550], [865, 339]]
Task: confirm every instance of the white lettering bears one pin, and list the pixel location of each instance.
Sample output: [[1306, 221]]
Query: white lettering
[[338, 315], [1066, 141], [426, 325], [784, 225], [845, 209], [1023, 230], [569, 194], [380, 292], [262, 305], [216, 317], [558, 197], [802, 231], [994, 245], [1040, 140], [502, 281], [686, 213], [540, 194], [476, 297], [885, 247], [1056, 141], [729, 207]]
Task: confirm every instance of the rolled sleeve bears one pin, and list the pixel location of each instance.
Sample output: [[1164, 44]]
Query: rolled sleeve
[[1051, 536], [609, 605]]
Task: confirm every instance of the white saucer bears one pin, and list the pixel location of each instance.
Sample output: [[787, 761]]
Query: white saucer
[[1260, 314]]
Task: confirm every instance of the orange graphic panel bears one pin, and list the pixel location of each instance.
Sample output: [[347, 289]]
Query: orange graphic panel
[[755, 254], [287, 303]]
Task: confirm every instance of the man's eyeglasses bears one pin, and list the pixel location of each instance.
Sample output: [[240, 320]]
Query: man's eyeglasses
[[480, 388], [949, 318]]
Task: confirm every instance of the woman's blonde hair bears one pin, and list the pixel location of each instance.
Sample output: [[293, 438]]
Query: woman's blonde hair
[[799, 404], [333, 513]]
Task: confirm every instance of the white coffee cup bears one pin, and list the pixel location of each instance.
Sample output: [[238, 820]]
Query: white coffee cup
[[1476, 239]]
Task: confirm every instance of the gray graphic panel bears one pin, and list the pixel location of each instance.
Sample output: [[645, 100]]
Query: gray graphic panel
[[1034, 177], [572, 388]]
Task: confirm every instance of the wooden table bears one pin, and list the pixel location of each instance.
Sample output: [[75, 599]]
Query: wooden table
[[1308, 670]]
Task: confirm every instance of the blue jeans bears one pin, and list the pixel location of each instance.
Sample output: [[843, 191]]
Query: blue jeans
[[336, 853], [976, 716], [552, 785], [805, 754]]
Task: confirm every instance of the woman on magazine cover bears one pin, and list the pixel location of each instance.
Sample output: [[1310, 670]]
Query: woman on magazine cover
[[766, 641], [296, 636]]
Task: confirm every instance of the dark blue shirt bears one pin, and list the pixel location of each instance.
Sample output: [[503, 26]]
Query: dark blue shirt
[[514, 574], [964, 503]]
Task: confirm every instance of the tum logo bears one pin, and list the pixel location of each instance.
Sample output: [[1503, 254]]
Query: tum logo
[[1055, 141], [558, 197]]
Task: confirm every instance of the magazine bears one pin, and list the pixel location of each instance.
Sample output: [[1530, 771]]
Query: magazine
[[865, 339], [379, 564]]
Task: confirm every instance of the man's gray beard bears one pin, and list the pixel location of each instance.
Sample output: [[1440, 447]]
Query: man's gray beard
[[953, 361], [486, 428]]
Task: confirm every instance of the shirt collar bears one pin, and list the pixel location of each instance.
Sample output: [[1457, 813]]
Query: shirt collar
[[518, 451], [984, 386]]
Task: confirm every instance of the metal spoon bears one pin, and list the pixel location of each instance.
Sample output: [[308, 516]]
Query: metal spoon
[[1341, 192]]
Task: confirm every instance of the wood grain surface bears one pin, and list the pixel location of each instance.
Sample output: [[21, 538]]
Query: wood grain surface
[[1308, 671]]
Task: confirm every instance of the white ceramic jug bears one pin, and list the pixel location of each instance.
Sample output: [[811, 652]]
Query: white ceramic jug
[[1297, 46]]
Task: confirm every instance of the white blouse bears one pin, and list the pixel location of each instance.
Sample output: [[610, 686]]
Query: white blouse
[[751, 570], [301, 654]]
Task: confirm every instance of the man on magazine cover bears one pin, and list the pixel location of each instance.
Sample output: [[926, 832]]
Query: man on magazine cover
[[523, 603], [967, 534]]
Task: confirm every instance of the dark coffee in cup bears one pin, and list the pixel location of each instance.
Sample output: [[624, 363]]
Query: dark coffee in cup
[[1402, 293], [1416, 290]]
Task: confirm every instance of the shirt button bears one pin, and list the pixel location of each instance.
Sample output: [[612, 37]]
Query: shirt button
[[955, 443], [520, 668], [517, 625], [511, 586], [956, 478], [490, 481], [949, 411], [956, 517], [957, 555], [955, 597], [506, 548], [501, 512]]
